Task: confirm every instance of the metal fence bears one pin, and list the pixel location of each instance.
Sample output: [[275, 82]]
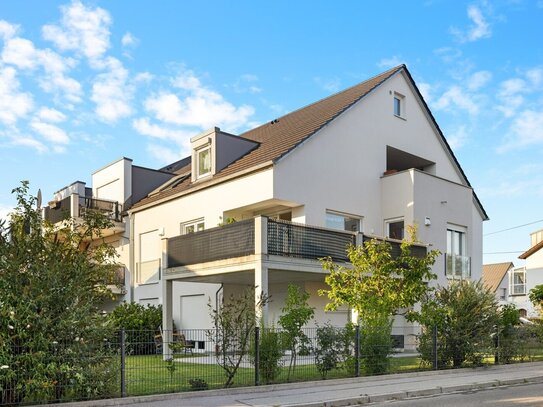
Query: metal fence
[[133, 363]]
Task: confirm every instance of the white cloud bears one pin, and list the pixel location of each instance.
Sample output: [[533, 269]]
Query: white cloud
[[5, 210], [196, 106], [51, 115], [329, 85], [535, 76], [525, 130], [82, 29], [448, 54], [458, 138], [425, 90], [456, 97], [111, 92], [479, 28], [28, 141], [390, 62], [7, 30], [144, 77], [50, 132], [129, 40], [146, 128], [163, 154], [21, 53], [13, 103], [479, 79]]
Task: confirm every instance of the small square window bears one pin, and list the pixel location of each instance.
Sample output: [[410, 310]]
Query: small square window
[[395, 229]]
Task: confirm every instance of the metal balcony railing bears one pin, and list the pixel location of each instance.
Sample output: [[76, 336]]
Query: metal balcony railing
[[307, 242], [111, 209]]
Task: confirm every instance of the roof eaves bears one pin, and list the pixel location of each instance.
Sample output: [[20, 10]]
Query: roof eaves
[[531, 251]]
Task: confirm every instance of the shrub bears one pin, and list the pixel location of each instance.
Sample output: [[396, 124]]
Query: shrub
[[270, 354], [329, 349], [376, 345], [140, 324]]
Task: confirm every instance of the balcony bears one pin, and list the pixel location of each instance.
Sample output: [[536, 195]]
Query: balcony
[[457, 267], [117, 282], [75, 206], [268, 237]]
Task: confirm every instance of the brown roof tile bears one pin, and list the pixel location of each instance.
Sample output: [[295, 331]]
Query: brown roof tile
[[493, 274], [280, 136]]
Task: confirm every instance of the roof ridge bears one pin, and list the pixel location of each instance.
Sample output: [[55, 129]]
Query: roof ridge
[[387, 73]]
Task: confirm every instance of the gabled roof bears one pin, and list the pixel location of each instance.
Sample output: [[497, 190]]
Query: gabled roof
[[280, 136], [531, 251], [493, 274]]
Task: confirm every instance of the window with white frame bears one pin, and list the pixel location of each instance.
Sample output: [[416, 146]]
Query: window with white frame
[[399, 105], [339, 221], [503, 294], [192, 226], [457, 263], [148, 268], [518, 281], [394, 228], [203, 161]]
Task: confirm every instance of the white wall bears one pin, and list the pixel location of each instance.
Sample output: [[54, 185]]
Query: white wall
[[114, 181]]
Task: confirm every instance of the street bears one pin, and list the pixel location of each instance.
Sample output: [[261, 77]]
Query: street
[[526, 395]]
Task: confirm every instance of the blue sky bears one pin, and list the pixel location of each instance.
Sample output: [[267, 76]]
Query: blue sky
[[84, 83]]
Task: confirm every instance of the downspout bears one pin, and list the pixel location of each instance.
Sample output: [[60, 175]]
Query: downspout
[[216, 312], [132, 255]]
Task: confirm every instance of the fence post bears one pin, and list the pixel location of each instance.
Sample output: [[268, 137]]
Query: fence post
[[434, 347], [257, 356], [497, 353], [357, 351], [123, 364]]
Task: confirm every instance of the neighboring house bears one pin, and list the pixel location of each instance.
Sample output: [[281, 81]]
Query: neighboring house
[[367, 161], [496, 277], [523, 279]]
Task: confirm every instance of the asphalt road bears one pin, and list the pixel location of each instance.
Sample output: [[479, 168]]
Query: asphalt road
[[527, 395]]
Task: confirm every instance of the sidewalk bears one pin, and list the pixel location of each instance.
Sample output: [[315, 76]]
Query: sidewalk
[[343, 392]]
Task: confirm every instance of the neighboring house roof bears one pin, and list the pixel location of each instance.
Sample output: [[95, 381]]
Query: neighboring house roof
[[493, 274], [531, 251], [282, 135]]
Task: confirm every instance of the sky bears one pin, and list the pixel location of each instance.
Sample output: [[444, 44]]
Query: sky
[[83, 83]]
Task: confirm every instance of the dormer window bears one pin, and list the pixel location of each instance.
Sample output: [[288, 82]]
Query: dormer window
[[203, 161]]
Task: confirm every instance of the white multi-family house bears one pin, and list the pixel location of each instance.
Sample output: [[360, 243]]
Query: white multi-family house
[[523, 279], [367, 161], [260, 208]]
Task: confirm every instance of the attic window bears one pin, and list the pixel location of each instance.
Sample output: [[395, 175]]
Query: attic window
[[203, 161], [399, 105]]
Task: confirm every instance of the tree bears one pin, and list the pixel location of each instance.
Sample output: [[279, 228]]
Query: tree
[[466, 316], [52, 283], [296, 314], [536, 295], [377, 286], [235, 322]]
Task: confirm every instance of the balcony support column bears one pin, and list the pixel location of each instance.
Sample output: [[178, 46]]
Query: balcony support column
[[261, 269], [74, 205], [167, 309]]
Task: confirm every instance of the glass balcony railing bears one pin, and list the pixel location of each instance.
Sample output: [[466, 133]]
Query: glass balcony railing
[[457, 266]]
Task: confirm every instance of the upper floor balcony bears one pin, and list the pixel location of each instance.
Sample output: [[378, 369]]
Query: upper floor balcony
[[76, 206], [265, 236]]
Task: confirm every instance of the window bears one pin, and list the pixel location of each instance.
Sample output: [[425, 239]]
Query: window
[[192, 226], [457, 264], [148, 269], [399, 105], [342, 222], [203, 162], [394, 229], [518, 281], [503, 293]]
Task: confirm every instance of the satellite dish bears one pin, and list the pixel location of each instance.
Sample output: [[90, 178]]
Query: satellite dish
[[38, 199]]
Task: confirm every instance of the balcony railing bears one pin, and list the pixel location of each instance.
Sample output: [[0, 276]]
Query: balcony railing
[[224, 242], [457, 266], [307, 242], [62, 210], [111, 209]]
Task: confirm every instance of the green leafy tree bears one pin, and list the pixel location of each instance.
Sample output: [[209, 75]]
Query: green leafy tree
[[270, 353], [536, 295], [52, 284], [329, 348], [377, 286], [296, 314], [510, 340], [466, 316], [235, 321]]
